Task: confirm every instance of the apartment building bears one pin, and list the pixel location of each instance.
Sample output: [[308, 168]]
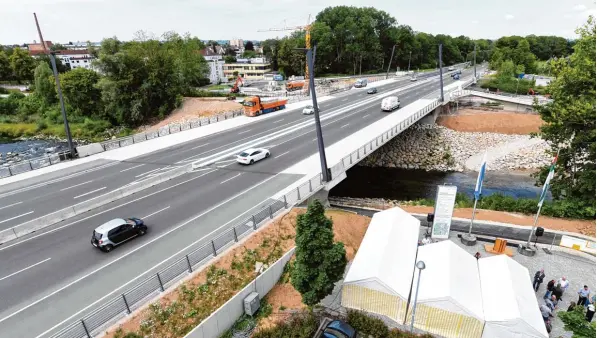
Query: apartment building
[[216, 63], [250, 69]]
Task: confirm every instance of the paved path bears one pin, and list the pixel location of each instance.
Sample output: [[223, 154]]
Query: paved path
[[494, 153]]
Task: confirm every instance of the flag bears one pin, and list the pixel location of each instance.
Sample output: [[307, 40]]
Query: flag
[[479, 185], [546, 185]]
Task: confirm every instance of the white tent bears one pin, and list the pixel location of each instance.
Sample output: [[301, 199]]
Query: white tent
[[379, 279], [509, 301], [449, 301]]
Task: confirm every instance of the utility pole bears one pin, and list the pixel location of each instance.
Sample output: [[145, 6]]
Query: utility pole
[[325, 172], [475, 61], [409, 56], [441, 74], [58, 89], [390, 63]]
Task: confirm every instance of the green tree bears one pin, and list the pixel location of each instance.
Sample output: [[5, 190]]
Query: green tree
[[570, 121], [5, 70], [249, 54], [270, 50], [319, 261], [249, 46], [80, 91], [44, 86], [575, 321], [60, 67], [22, 65], [229, 59]]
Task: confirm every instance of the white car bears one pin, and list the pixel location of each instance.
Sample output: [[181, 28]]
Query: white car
[[308, 110], [252, 155]]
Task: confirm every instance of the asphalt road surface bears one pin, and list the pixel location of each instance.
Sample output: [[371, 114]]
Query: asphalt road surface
[[53, 277]]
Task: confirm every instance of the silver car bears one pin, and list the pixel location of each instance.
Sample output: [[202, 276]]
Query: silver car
[[117, 231]]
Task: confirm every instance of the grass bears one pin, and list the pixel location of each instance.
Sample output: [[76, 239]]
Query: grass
[[217, 87]]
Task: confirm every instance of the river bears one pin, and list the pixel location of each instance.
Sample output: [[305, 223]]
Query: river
[[404, 185], [29, 149]]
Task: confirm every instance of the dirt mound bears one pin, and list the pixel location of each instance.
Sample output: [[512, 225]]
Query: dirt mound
[[472, 120]]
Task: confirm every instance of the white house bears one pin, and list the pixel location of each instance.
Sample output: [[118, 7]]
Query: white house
[[216, 63]]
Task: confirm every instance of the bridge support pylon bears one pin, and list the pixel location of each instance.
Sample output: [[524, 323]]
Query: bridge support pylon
[[323, 193]]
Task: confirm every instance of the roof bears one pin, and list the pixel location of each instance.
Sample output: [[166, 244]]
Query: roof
[[72, 52], [509, 299], [109, 225], [450, 280], [385, 260], [37, 48]]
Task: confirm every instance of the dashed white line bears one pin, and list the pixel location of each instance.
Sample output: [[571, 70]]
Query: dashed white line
[[76, 185], [315, 139], [131, 168], [282, 154], [346, 99], [366, 115], [27, 268], [244, 132], [21, 215], [203, 145], [154, 213], [90, 192], [10, 205], [344, 126], [278, 121], [233, 177]]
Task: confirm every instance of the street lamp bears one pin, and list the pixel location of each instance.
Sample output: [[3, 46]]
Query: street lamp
[[441, 74], [421, 266], [410, 54], [390, 63]]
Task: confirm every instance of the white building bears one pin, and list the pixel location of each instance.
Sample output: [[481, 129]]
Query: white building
[[216, 66], [239, 43]]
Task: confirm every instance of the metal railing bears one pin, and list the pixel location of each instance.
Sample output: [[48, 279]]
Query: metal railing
[[33, 164], [124, 303]]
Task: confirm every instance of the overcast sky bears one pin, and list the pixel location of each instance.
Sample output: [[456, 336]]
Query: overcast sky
[[82, 20]]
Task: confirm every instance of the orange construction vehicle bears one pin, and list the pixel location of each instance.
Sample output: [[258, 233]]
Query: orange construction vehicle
[[255, 106], [290, 86], [235, 89]]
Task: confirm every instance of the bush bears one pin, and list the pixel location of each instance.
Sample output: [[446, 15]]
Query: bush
[[367, 325], [302, 325]]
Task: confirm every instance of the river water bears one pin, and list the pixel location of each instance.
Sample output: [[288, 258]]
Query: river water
[[29, 149], [404, 185]]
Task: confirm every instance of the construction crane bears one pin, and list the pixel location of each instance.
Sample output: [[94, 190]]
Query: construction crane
[[307, 29]]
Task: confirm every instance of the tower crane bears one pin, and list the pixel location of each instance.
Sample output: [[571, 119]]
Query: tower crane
[[307, 29]]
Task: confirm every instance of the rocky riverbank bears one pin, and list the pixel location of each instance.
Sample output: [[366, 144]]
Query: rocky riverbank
[[438, 148]]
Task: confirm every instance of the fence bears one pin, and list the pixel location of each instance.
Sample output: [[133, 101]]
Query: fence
[[121, 305], [32, 164]]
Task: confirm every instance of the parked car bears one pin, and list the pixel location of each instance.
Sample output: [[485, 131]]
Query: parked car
[[308, 110], [117, 231], [251, 156], [372, 90], [335, 329]]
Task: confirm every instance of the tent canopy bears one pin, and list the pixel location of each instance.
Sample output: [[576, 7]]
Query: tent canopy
[[386, 258], [450, 280], [509, 301]]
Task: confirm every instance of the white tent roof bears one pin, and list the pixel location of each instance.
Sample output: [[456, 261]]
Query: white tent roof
[[386, 258], [509, 301], [450, 280]]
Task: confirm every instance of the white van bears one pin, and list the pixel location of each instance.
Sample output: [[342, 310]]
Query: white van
[[390, 103], [360, 83]]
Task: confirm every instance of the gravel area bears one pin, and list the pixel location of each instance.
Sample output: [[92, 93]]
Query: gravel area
[[577, 267]]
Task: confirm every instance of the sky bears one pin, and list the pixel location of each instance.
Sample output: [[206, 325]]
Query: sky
[[82, 20]]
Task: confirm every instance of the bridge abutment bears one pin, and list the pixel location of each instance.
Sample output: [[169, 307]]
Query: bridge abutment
[[323, 193]]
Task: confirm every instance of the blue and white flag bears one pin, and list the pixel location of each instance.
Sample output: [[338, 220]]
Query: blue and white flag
[[479, 186]]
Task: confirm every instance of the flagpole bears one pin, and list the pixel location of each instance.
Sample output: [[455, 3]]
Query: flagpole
[[469, 239], [470, 228], [534, 225]]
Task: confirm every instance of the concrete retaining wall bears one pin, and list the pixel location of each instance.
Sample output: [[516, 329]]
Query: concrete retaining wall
[[89, 149]]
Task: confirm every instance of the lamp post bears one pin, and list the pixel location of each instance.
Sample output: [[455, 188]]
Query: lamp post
[[410, 54], [441, 73], [390, 63], [421, 266]]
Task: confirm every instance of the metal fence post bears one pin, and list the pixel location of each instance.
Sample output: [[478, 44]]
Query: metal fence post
[[271, 214], [9, 171], [213, 246], [189, 263], [254, 223], [298, 192], [85, 328], [30, 165], [285, 202], [190, 125], [235, 236], [160, 281], [310, 187], [128, 309]]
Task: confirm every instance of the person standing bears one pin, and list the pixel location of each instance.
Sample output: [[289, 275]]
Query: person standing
[[551, 303], [571, 307], [557, 292], [550, 286], [583, 295], [564, 284], [545, 312], [590, 312], [539, 275]]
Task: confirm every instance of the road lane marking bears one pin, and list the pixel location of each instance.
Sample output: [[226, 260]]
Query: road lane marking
[[231, 178], [315, 139], [244, 132], [157, 212], [10, 219], [346, 99], [131, 168], [226, 161], [201, 146], [135, 250], [282, 154], [91, 192], [148, 172], [76, 185], [344, 126], [101, 212], [10, 205], [278, 121], [366, 115], [27, 268]]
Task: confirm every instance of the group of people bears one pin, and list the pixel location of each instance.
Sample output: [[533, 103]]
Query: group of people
[[553, 295]]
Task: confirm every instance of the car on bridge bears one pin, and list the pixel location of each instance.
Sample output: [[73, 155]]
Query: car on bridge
[[252, 155], [117, 231], [308, 110], [372, 90]]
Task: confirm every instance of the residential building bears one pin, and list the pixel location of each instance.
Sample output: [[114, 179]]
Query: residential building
[[238, 43], [73, 58], [36, 49], [251, 69], [216, 63]]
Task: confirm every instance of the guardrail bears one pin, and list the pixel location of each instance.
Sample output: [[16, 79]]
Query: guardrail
[[124, 303], [33, 164]]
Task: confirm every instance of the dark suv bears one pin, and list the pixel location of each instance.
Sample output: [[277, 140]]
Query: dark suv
[[117, 231]]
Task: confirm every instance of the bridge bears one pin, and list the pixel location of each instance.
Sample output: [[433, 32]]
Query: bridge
[[191, 194]]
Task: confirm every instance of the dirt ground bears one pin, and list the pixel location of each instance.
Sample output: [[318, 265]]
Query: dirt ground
[[472, 120], [194, 107]]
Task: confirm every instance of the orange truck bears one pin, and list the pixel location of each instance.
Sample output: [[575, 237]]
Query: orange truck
[[290, 86], [255, 106]]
